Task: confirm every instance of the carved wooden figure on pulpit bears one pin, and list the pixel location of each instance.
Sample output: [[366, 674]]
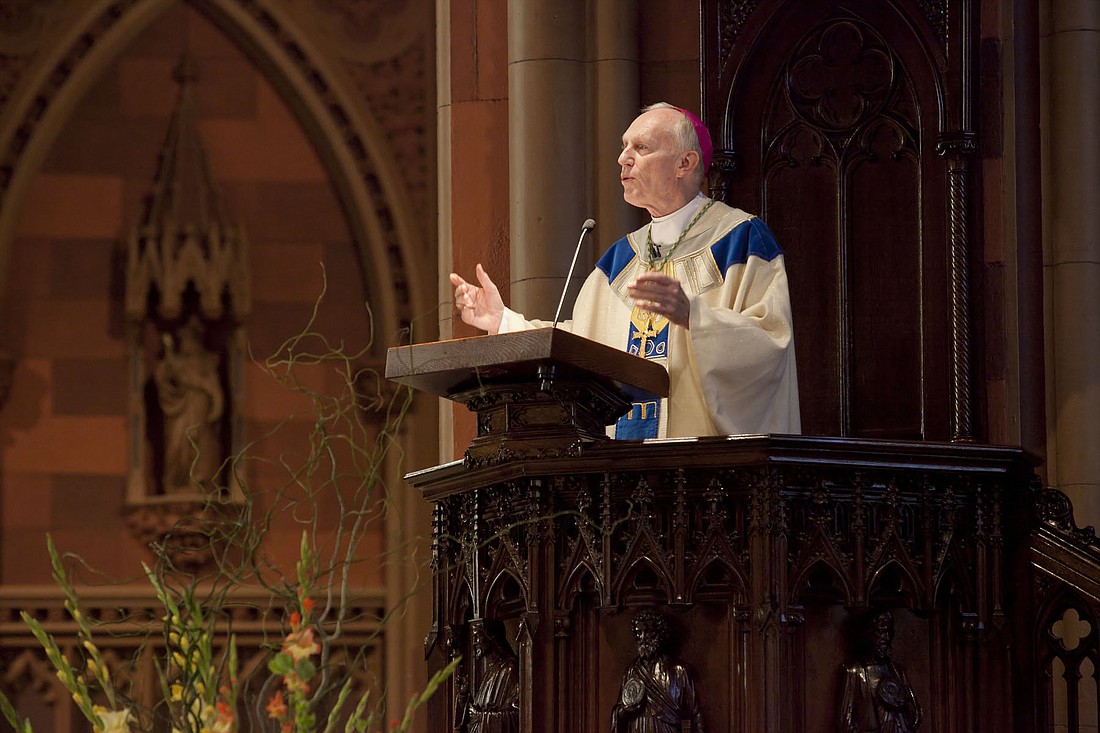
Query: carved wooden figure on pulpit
[[657, 693], [495, 704], [877, 697]]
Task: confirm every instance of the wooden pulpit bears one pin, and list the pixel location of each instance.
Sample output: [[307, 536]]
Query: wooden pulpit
[[759, 568], [536, 393]]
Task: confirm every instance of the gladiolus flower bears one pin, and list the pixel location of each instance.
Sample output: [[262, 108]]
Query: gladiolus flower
[[116, 721], [276, 706], [307, 605], [301, 644]]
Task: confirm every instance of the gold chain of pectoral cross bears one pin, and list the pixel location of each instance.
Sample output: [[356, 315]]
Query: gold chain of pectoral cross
[[651, 323], [653, 252]]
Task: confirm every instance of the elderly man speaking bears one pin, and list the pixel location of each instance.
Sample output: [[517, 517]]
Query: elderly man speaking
[[701, 289]]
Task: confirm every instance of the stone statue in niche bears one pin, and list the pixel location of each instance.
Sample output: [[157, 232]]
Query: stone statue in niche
[[495, 704], [657, 694], [877, 698], [192, 402]]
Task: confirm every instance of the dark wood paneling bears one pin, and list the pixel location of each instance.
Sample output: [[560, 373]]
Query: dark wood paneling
[[837, 124]]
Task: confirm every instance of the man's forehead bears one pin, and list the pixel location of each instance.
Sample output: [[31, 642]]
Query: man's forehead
[[649, 125]]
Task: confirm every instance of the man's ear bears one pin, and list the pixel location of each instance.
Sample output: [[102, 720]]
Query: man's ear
[[689, 161]]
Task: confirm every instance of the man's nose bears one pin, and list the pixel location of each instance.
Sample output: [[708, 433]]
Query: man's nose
[[623, 157]]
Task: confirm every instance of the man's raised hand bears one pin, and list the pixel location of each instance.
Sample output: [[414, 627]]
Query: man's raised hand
[[481, 307]]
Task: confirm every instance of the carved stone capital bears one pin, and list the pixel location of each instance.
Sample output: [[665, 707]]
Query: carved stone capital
[[957, 144]]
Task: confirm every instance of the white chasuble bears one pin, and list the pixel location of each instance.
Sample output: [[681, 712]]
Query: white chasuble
[[733, 372]]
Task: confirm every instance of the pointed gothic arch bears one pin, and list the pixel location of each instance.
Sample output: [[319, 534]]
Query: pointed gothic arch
[[350, 144], [850, 128]]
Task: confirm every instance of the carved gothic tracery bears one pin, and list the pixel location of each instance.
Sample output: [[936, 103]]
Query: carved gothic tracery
[[667, 536], [840, 77], [752, 555]]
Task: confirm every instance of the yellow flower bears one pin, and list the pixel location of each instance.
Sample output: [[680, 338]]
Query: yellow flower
[[91, 666], [89, 646], [179, 659], [177, 692], [115, 721]]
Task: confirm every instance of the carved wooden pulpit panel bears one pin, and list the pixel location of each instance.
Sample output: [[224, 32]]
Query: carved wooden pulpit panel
[[848, 128]]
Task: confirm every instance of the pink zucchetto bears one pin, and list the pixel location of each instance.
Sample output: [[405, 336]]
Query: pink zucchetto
[[706, 147]]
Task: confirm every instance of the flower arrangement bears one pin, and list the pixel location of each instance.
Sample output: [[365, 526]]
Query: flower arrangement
[[202, 688], [301, 689]]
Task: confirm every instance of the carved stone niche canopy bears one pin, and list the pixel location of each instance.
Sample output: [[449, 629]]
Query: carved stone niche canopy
[[187, 297]]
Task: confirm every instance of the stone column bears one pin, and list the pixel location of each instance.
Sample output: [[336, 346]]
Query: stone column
[[550, 147], [615, 24], [472, 89], [1071, 37]]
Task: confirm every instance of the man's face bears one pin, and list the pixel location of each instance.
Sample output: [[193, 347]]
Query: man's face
[[651, 173], [480, 642], [649, 641], [882, 632]]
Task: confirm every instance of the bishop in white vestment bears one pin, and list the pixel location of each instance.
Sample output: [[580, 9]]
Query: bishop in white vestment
[[701, 289]]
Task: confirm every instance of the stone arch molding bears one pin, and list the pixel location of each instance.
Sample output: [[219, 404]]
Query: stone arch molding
[[55, 66]]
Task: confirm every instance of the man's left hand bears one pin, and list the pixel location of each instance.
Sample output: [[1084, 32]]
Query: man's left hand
[[658, 293]]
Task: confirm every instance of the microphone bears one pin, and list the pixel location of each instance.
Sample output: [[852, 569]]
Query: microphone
[[589, 225]]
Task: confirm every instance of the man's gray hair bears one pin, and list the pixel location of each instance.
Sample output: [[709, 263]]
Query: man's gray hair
[[684, 132]]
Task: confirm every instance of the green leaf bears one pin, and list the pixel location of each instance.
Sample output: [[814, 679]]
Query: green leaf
[[306, 669], [281, 664], [12, 716]]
